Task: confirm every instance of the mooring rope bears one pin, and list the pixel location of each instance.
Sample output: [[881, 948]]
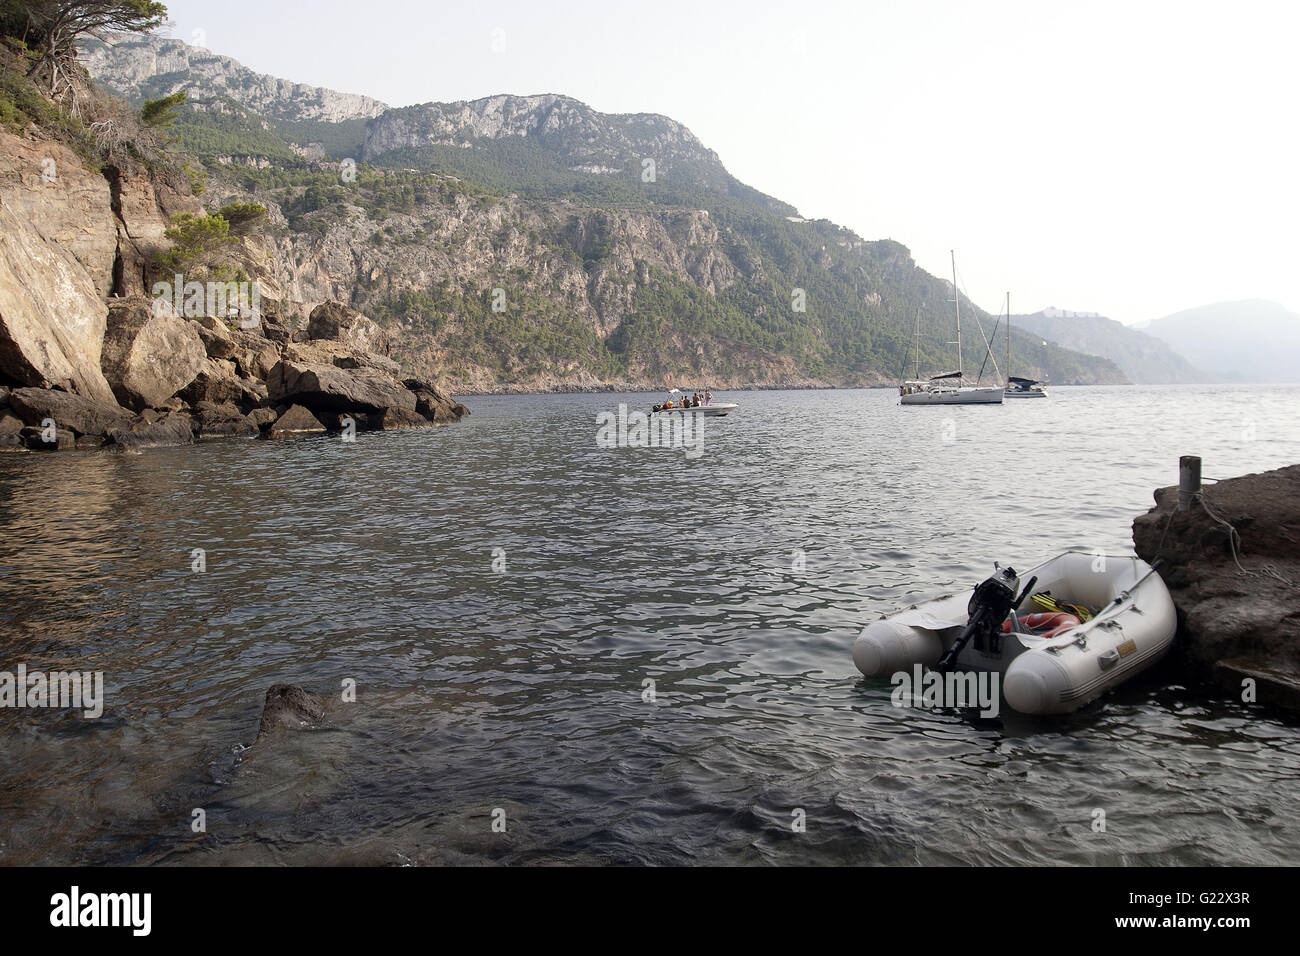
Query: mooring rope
[[1234, 537]]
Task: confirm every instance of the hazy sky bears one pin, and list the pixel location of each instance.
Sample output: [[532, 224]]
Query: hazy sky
[[1127, 158]]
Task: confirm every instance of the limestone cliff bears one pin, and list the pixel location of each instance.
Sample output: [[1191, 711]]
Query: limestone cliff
[[532, 242]]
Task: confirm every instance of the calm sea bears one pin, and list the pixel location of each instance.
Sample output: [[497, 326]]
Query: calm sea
[[631, 655]]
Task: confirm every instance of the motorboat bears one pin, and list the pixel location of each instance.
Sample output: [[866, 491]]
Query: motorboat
[[1092, 622], [1018, 387], [715, 410], [1024, 388]]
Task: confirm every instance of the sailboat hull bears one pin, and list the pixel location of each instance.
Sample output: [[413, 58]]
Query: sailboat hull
[[1025, 393], [954, 396]]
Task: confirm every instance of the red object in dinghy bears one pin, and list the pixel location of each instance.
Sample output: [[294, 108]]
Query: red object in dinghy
[[1047, 624]]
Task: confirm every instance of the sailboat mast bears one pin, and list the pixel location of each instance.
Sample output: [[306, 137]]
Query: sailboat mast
[[918, 342], [1008, 337], [956, 301]]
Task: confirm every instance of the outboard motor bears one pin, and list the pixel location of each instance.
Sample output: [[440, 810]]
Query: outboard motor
[[993, 600]]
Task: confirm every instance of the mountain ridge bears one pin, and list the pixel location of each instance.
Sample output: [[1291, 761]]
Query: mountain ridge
[[1144, 359], [1245, 340], [617, 246]]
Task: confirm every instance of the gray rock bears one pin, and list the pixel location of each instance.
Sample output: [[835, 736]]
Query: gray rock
[[11, 428], [253, 355], [263, 418], [173, 429], [147, 357], [81, 415], [219, 382], [393, 419], [223, 421]]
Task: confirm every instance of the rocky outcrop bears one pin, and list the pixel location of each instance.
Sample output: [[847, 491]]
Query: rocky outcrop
[[254, 355], [433, 403], [329, 388], [1236, 621], [220, 383], [334, 322], [149, 355], [11, 428]]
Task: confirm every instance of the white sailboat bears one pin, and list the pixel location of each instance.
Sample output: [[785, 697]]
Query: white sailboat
[[948, 388], [1019, 387]]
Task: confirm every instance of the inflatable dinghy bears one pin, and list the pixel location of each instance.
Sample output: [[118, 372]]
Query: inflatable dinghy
[[1086, 623]]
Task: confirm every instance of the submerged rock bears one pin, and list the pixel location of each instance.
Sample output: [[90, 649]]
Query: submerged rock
[[288, 707], [224, 421], [1234, 623], [394, 419], [173, 428]]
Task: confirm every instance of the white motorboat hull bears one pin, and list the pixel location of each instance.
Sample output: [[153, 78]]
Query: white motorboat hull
[[954, 396], [1133, 628], [717, 409]]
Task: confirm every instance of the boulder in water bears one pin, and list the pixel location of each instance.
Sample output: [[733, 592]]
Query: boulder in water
[[288, 707], [1235, 622]]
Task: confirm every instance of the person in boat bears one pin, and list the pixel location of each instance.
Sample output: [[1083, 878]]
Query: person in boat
[[708, 397]]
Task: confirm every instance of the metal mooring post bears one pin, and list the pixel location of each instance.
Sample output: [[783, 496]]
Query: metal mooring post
[[1189, 481]]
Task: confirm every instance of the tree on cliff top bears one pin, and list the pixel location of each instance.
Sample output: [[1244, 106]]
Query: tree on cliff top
[[52, 27]]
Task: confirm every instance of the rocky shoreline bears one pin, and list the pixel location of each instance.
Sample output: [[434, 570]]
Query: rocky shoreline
[[175, 381], [1232, 564]]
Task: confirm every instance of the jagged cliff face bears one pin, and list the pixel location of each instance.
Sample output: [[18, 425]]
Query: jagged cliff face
[[150, 67], [533, 242], [587, 140]]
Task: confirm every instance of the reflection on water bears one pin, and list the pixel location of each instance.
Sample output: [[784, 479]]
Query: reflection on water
[[735, 583]]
